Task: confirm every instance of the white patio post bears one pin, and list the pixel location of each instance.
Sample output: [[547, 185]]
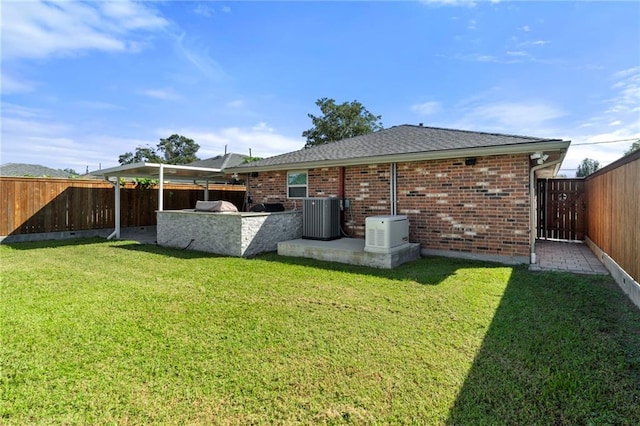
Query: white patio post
[[206, 189], [116, 231], [161, 189]]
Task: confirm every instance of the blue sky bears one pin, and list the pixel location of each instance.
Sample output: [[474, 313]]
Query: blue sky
[[83, 83]]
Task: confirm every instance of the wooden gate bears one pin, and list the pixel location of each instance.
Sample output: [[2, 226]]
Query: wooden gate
[[561, 209]]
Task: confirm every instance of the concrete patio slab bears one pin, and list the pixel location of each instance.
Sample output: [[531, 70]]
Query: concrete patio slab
[[143, 234], [350, 251]]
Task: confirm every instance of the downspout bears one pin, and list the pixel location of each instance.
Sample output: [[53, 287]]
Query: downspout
[[204, 187], [341, 196], [393, 187], [116, 231], [532, 225], [247, 194]]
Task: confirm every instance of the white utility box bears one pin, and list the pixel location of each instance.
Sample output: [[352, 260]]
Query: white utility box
[[385, 233]]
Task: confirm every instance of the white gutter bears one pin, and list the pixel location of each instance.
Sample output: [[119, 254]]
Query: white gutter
[[116, 231], [532, 224]]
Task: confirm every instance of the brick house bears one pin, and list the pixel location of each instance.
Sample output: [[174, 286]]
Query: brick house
[[466, 194]]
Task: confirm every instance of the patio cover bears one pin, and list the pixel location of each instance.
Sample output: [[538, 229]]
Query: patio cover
[[155, 171]]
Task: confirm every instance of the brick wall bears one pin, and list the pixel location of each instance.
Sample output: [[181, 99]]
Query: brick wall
[[323, 182], [269, 187], [368, 189], [481, 209]]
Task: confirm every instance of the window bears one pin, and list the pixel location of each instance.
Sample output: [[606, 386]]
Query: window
[[296, 184]]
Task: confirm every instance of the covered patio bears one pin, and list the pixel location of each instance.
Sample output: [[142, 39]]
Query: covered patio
[[162, 172]]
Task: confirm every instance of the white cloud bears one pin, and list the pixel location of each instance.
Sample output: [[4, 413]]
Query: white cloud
[[199, 57], [67, 147], [10, 84], [540, 42], [19, 111], [128, 15], [618, 121], [164, 94], [238, 103], [627, 98], [427, 108], [525, 28], [225, 9], [204, 9], [263, 140], [34, 136], [468, 3], [531, 118], [629, 72], [485, 58], [14, 127], [41, 29], [98, 105], [604, 153], [510, 57]]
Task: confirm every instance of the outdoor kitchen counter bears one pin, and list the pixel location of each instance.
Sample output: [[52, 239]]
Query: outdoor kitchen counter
[[239, 234]]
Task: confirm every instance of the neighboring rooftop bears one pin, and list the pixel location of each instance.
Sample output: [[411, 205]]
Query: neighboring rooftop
[[220, 161], [403, 142], [32, 170]]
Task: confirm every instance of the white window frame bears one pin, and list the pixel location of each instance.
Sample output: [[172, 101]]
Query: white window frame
[[305, 186]]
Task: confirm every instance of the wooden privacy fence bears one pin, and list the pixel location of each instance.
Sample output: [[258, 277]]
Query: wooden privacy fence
[[34, 205], [613, 223]]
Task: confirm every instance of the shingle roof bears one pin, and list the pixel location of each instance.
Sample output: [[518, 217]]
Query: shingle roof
[[220, 161], [397, 140], [31, 170]]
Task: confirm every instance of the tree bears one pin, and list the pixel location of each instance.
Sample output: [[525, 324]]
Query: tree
[[633, 148], [71, 172], [175, 149], [338, 122], [587, 167], [178, 149], [143, 154]]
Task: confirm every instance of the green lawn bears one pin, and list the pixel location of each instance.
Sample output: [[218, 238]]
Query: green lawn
[[97, 332]]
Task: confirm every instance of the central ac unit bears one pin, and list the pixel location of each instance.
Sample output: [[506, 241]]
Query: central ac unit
[[385, 233], [321, 219]]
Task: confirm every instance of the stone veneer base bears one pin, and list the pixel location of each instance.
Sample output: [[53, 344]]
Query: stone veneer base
[[231, 234]]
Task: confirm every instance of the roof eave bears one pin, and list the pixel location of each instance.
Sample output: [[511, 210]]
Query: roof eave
[[551, 145]]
